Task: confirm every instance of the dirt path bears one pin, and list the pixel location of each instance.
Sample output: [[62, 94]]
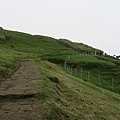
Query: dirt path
[[18, 94]]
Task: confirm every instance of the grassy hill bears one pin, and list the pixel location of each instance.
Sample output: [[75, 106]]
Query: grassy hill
[[82, 48], [74, 96]]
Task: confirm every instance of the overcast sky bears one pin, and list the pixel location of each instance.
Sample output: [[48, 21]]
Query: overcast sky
[[93, 22]]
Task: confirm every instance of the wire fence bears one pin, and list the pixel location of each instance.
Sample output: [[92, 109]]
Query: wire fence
[[89, 76]]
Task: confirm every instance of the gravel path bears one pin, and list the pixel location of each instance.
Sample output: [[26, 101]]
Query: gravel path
[[18, 94]]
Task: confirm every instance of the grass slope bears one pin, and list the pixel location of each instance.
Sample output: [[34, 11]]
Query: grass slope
[[97, 66], [75, 99], [80, 47], [71, 98]]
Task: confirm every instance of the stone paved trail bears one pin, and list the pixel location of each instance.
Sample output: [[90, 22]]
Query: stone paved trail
[[17, 94]]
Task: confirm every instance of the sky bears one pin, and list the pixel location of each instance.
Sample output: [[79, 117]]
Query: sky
[[92, 22]]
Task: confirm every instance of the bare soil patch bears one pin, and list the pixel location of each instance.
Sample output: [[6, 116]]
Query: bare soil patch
[[17, 94]]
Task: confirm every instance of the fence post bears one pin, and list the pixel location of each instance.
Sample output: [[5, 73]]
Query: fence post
[[71, 70], [65, 64], [88, 75], [99, 80], [81, 72], [67, 67], [112, 84], [75, 72]]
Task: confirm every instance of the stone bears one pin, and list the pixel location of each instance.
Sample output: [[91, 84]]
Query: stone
[[54, 79]]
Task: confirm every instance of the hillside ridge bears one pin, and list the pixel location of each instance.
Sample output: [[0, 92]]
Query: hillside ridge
[[74, 45], [84, 89]]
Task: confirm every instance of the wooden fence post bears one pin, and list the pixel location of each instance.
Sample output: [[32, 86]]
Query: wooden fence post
[[75, 72], [99, 80], [88, 75], [112, 84], [81, 72], [71, 70]]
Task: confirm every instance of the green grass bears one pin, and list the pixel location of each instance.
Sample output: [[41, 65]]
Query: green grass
[[72, 98], [8, 62], [80, 47], [40, 45], [94, 59], [97, 65], [20, 45]]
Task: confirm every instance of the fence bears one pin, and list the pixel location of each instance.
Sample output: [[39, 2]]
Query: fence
[[89, 76]]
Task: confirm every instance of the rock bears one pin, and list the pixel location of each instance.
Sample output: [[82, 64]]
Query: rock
[[54, 79]]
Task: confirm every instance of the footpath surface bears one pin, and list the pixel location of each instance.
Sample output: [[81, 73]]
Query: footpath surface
[[18, 99]]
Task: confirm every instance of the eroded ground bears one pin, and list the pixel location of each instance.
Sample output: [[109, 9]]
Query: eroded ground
[[19, 94]]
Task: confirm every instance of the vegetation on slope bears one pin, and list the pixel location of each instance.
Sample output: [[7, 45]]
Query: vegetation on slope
[[70, 98], [101, 70], [2, 34], [81, 47], [23, 45]]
